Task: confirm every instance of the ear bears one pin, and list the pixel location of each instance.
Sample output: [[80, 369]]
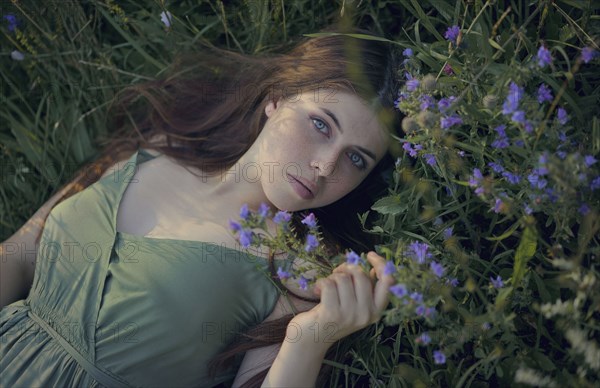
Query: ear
[[271, 107]]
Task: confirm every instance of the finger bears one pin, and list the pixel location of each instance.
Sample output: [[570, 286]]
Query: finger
[[377, 262], [345, 288], [329, 294], [381, 292], [363, 288]]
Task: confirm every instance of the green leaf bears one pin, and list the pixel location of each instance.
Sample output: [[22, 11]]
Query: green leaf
[[525, 251], [389, 205], [544, 362]]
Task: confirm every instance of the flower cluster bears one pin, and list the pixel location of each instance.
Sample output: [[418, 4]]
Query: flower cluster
[[493, 165], [252, 231]]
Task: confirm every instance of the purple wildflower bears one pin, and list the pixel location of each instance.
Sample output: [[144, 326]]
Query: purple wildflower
[[303, 282], [511, 178], [589, 160], [411, 151], [452, 33], [402, 95], [562, 136], [497, 283], [430, 159], [245, 238], [584, 209], [419, 252], [448, 232], [447, 69], [562, 117], [476, 178], [416, 297], [452, 281], [407, 52], [412, 85], [282, 217], [399, 290], [528, 210], [353, 258], [426, 102], [263, 210], [390, 268], [310, 221], [244, 212], [283, 274], [515, 93], [595, 185], [445, 103], [439, 357], [497, 167], [235, 226], [437, 269], [543, 57], [536, 182], [501, 130], [424, 339], [311, 242], [501, 142], [420, 310], [544, 94], [461, 153], [519, 143], [518, 116], [498, 205], [12, 22], [561, 154], [587, 54], [448, 121]]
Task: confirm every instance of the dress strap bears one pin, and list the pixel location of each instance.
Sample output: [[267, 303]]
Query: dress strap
[[104, 377]]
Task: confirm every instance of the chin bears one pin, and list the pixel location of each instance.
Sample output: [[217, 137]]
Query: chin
[[286, 200]]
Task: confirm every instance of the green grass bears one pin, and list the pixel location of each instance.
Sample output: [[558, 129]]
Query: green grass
[[79, 54]]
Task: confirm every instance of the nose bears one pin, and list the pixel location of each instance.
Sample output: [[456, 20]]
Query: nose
[[325, 165]]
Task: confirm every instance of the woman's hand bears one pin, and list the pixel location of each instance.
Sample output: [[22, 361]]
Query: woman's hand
[[350, 301]]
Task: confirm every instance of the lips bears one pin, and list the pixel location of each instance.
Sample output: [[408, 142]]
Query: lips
[[304, 188]]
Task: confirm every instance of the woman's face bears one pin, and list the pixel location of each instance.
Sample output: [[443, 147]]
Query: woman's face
[[327, 141]]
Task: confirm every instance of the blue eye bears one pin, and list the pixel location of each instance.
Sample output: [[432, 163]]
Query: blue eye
[[320, 128], [357, 160]]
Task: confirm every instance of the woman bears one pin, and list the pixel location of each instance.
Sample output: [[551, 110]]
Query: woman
[[125, 289]]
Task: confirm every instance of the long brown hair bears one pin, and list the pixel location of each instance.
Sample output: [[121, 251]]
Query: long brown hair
[[209, 110]]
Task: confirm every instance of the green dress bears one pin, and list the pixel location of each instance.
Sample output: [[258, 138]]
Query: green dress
[[112, 309]]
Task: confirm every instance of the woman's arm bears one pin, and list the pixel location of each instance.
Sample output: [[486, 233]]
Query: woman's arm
[[297, 365], [349, 302]]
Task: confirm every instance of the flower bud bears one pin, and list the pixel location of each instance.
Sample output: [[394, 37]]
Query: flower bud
[[409, 125], [426, 119], [428, 82], [490, 101]]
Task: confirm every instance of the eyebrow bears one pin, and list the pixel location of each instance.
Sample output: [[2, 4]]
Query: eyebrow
[[337, 123]]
